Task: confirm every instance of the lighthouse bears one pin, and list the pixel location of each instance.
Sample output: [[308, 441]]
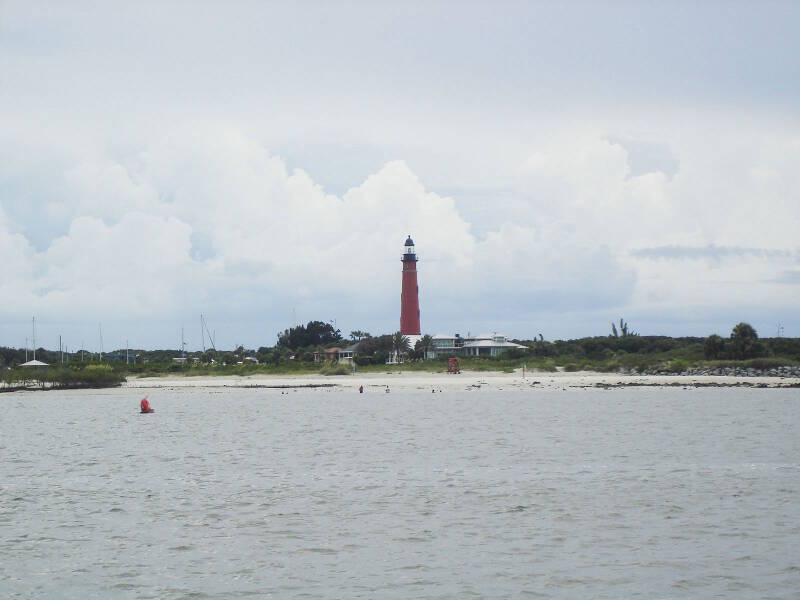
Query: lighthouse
[[409, 298]]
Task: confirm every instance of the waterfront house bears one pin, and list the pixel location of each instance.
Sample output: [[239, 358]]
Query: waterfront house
[[484, 345]]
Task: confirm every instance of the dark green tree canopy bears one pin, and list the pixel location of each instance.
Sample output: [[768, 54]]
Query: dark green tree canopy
[[744, 341], [400, 343], [713, 347], [315, 333]]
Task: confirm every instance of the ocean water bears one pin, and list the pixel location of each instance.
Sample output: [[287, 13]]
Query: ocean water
[[625, 493]]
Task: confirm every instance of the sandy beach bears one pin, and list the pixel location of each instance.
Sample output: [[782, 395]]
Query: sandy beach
[[465, 380]]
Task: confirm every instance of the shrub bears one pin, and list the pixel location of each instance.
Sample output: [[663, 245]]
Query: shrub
[[677, 365], [334, 370]]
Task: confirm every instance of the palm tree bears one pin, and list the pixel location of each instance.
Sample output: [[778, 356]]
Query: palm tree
[[400, 345], [424, 344], [745, 341]]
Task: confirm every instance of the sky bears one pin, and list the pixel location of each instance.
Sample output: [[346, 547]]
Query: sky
[[559, 165]]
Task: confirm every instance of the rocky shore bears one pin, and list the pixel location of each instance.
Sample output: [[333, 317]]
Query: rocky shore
[[724, 371]]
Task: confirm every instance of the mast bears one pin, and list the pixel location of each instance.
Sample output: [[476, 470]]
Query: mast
[[210, 336]]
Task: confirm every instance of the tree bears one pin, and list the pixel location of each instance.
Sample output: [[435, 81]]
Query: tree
[[358, 335], [623, 329], [744, 341], [539, 346], [400, 344], [713, 347], [315, 333], [422, 346]]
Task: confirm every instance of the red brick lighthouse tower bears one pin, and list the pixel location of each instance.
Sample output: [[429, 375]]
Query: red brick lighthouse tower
[[409, 298]]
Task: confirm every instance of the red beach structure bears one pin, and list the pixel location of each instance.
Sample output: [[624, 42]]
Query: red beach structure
[[409, 298]]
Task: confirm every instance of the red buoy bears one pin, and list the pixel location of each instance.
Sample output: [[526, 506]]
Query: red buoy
[[145, 406]]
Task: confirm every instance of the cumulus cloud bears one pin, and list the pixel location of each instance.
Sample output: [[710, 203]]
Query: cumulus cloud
[[213, 221], [271, 238], [133, 267]]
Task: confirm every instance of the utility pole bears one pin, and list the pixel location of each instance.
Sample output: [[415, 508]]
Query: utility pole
[[34, 338], [127, 359], [61, 350]]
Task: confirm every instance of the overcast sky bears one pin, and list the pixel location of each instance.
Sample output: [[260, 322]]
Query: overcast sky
[[559, 166]]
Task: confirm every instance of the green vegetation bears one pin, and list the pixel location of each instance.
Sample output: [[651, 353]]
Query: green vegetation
[[623, 329], [628, 352], [334, 369], [91, 376], [632, 352], [315, 333]]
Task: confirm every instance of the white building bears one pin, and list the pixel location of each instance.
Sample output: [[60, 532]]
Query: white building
[[484, 345]]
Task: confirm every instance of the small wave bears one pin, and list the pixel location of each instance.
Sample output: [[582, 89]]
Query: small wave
[[321, 550]]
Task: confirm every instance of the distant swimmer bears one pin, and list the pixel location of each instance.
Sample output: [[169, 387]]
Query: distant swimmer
[[145, 406]]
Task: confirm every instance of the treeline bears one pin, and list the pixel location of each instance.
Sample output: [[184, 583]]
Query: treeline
[[90, 376], [742, 344], [295, 349]]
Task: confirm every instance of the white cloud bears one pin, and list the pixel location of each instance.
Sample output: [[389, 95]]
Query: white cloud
[[531, 179], [213, 220]]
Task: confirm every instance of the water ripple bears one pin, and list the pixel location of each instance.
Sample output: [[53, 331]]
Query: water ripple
[[578, 493]]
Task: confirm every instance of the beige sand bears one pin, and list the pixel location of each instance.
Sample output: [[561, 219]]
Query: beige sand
[[465, 380]]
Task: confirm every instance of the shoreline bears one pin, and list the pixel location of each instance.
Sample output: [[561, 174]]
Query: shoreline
[[411, 380]]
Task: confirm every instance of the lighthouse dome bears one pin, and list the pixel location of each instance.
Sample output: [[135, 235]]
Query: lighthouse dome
[[409, 241]]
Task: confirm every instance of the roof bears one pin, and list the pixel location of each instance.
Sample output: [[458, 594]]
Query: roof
[[492, 344], [34, 363], [409, 241]]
